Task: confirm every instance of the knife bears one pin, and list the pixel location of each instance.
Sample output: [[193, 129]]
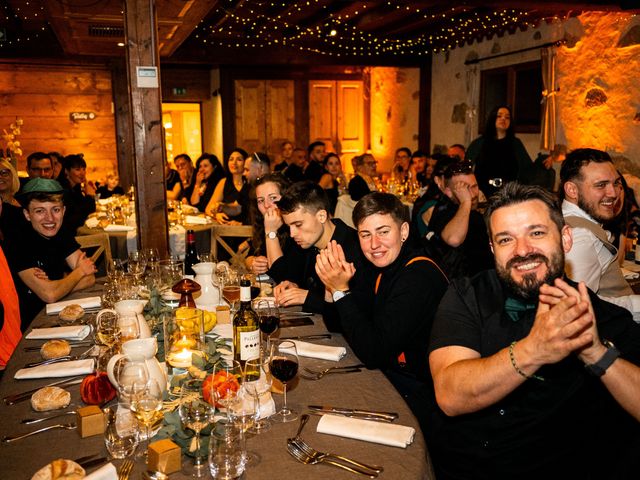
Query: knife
[[93, 463], [352, 412], [19, 397], [318, 336]]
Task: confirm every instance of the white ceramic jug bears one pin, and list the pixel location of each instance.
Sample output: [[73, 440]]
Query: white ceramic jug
[[209, 295], [134, 308], [141, 350]]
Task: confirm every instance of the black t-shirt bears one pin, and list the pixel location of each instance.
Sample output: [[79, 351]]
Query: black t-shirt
[[12, 222], [358, 188], [567, 426], [33, 250], [314, 171], [173, 178], [104, 191], [230, 195]]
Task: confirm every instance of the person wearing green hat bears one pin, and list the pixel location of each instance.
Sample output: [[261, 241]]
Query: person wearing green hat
[[46, 261]]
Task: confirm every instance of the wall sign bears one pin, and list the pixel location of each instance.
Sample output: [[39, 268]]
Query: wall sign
[[147, 77], [76, 116]]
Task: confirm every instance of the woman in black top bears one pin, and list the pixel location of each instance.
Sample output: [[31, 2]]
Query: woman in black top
[[363, 183], [333, 181], [209, 173], [229, 203]]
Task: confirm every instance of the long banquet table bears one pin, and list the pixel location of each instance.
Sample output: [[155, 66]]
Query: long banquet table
[[368, 389]]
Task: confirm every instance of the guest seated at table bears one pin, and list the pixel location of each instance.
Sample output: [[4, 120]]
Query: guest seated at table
[[314, 169], [508, 353], [591, 187], [173, 182], [457, 150], [422, 167], [286, 150], [295, 171], [39, 164], [79, 195], [424, 205], [229, 204], [209, 172], [57, 163], [111, 186], [9, 182], [458, 226], [46, 261], [256, 165], [387, 315], [184, 166], [333, 181], [305, 209], [401, 165], [10, 333], [267, 223], [363, 183]]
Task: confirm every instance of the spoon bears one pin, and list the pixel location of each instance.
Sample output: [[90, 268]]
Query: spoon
[[303, 421]]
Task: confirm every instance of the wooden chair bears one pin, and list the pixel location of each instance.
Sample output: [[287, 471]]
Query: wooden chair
[[97, 246], [220, 231]]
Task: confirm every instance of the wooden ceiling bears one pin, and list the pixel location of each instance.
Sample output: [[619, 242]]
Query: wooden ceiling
[[249, 32]]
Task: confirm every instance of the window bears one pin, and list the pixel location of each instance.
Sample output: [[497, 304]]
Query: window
[[519, 86]]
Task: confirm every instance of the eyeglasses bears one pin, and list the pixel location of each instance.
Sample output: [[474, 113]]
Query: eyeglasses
[[5, 172]]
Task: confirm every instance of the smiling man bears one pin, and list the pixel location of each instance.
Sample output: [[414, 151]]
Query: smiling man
[[590, 186], [524, 364], [305, 209], [46, 261]]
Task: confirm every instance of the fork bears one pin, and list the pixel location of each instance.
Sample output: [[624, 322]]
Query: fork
[[302, 457], [317, 375], [125, 469], [313, 453]]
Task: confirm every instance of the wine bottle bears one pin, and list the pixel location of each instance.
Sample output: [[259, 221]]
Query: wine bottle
[[191, 257], [246, 329]]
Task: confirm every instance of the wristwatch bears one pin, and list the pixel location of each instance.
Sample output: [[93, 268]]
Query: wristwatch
[[272, 235], [338, 294], [597, 369]]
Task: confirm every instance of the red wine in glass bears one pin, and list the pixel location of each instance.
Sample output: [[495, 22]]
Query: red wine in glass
[[269, 323], [283, 368]]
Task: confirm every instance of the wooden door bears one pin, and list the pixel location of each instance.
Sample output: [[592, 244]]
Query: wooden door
[[280, 114], [322, 112], [251, 131]]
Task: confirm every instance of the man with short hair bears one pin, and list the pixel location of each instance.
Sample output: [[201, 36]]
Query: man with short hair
[[39, 164], [257, 165], [528, 382], [457, 224], [184, 166], [315, 168], [305, 209], [590, 187], [295, 171], [46, 261], [457, 150]]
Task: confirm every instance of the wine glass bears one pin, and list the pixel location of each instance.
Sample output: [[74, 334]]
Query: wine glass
[[268, 319], [137, 264], [129, 328], [146, 406], [243, 411], [283, 365], [195, 414], [108, 328], [227, 378], [257, 382], [231, 288], [130, 372]]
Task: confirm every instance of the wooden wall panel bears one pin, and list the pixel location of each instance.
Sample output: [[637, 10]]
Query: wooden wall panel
[[350, 117], [322, 119], [280, 114], [44, 95], [250, 117]]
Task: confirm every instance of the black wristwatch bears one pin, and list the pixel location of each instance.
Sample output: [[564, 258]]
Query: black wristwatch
[[597, 369]]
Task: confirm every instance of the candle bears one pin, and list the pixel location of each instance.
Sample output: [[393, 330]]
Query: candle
[[181, 359]]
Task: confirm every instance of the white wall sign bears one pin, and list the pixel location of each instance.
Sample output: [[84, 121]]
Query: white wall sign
[[147, 77]]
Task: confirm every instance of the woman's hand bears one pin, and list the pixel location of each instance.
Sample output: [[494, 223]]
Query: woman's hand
[[333, 269], [272, 220], [259, 265]]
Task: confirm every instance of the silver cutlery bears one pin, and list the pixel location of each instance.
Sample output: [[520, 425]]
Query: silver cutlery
[[125, 469], [64, 426], [354, 412], [296, 452], [319, 336], [291, 313], [71, 344], [20, 397], [29, 421], [312, 452], [66, 358], [303, 421], [318, 376]]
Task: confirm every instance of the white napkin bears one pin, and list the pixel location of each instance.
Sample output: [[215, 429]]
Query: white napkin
[[92, 222], [629, 274], [118, 228], [367, 430], [177, 240], [195, 220], [61, 369], [87, 302], [106, 472], [324, 352], [267, 405], [73, 332]]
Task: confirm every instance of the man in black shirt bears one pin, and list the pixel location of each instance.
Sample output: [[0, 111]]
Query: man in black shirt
[[304, 207], [46, 261], [524, 370], [315, 168]]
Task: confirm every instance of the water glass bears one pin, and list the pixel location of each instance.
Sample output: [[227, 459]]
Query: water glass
[[227, 454], [120, 435]]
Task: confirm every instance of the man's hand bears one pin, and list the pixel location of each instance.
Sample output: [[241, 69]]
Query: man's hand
[[85, 264], [259, 265], [272, 220], [333, 269], [40, 274], [548, 162], [462, 192], [288, 293]]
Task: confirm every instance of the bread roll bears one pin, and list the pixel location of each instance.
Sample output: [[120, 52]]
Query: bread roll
[[50, 398], [71, 313], [55, 349], [60, 469]]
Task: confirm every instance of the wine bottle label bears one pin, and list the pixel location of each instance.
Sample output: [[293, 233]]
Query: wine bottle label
[[245, 294], [249, 345]]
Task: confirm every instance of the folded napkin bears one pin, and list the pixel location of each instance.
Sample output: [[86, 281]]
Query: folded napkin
[[61, 369], [92, 222], [118, 228], [73, 332], [87, 302], [367, 430], [106, 472], [195, 220], [324, 352], [629, 274]]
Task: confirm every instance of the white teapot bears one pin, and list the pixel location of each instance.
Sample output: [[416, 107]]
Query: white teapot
[[209, 295], [141, 351]]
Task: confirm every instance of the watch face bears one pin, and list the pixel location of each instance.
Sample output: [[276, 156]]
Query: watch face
[[272, 235]]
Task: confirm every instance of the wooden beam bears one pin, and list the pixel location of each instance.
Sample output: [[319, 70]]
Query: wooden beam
[[141, 34], [424, 117], [122, 111]]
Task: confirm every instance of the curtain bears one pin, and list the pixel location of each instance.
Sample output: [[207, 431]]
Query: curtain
[[548, 126]]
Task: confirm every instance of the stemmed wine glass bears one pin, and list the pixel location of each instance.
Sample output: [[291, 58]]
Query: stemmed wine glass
[[195, 414], [228, 377], [268, 319], [257, 382], [137, 265], [283, 365], [108, 329], [130, 373], [146, 406], [244, 411]]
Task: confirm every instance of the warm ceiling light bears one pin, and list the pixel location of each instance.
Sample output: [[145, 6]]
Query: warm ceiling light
[[121, 44], [333, 32]]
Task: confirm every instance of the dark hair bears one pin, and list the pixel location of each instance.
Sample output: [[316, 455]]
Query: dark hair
[[458, 168], [242, 152], [419, 154], [307, 194], [575, 160], [490, 131], [460, 146], [383, 204], [36, 156], [314, 145], [257, 219], [27, 198], [404, 149], [183, 155], [57, 155], [328, 156], [286, 142], [260, 157], [75, 160], [213, 160], [513, 193], [442, 162]]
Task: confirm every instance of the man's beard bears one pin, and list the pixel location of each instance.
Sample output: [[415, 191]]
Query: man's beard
[[591, 211], [529, 288]]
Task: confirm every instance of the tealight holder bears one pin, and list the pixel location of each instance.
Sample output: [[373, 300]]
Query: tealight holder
[[183, 338]]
